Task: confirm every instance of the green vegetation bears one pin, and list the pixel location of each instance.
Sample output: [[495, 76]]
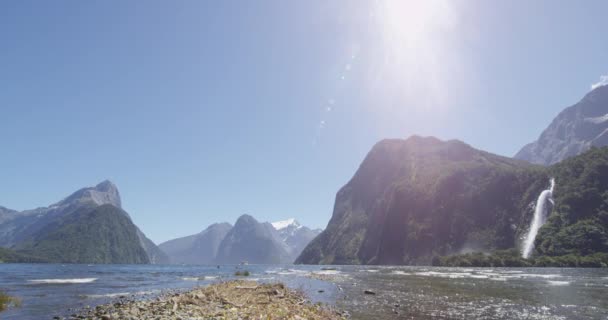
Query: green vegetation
[[578, 224], [415, 199], [103, 234], [7, 301], [242, 273], [512, 258], [10, 256]]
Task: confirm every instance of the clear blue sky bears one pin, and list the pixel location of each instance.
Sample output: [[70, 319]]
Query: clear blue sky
[[201, 111]]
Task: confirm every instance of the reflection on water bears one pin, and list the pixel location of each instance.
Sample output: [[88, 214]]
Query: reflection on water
[[400, 292]]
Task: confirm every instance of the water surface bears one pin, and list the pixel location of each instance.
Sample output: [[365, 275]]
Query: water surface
[[48, 290]]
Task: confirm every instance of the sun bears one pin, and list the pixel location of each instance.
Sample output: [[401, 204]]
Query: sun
[[413, 39]]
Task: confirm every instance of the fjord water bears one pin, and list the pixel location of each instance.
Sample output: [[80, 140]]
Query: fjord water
[[401, 292], [540, 217]]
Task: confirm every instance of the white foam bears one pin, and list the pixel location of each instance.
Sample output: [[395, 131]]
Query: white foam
[[544, 276], [108, 295], [327, 272], [499, 279], [451, 275], [558, 283], [192, 278], [63, 281], [401, 273]]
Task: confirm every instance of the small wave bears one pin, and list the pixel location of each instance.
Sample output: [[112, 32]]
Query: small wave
[[451, 275], [192, 278], [199, 278], [401, 273], [107, 295], [62, 281], [119, 294], [558, 283], [327, 272], [544, 276], [498, 278]]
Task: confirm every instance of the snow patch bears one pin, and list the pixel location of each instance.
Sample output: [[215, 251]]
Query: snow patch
[[280, 225], [598, 120]]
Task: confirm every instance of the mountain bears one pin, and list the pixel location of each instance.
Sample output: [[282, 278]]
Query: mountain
[[572, 132], [294, 235], [200, 248], [10, 256], [417, 198], [31, 230], [155, 254], [249, 240], [254, 242], [102, 234]]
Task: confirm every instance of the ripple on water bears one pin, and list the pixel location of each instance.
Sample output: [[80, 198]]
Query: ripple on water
[[62, 281]]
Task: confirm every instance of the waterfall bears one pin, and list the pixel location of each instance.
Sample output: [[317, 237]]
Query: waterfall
[[540, 217]]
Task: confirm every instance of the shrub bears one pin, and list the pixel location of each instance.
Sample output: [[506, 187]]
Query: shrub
[[7, 301]]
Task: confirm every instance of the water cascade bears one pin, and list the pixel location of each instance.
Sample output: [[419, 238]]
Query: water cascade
[[540, 217]]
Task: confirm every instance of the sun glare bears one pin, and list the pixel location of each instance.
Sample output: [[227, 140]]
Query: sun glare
[[414, 54]]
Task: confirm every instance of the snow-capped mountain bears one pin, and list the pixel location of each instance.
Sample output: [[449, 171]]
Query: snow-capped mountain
[[291, 222], [249, 240], [295, 235]]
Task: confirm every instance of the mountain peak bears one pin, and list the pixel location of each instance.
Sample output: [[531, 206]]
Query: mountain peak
[[245, 219], [279, 225], [106, 186], [573, 131], [105, 192]]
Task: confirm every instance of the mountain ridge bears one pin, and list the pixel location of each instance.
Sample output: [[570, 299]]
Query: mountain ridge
[[573, 131], [383, 214], [25, 229]]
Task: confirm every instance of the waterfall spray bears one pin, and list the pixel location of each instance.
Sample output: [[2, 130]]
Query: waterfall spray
[[540, 217]]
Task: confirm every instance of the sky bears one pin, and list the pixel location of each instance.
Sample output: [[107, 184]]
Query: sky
[[201, 111]]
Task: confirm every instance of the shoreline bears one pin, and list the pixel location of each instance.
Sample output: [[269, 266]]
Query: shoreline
[[234, 299]]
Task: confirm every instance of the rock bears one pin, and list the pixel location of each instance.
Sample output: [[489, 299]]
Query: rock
[[572, 132]]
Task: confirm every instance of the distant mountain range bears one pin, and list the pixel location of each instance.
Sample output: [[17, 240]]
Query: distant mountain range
[[574, 131], [249, 240], [88, 226]]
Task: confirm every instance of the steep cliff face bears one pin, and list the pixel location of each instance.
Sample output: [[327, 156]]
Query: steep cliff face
[[254, 242], [200, 248], [102, 234], [416, 198], [53, 228], [572, 132]]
